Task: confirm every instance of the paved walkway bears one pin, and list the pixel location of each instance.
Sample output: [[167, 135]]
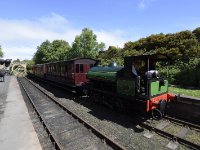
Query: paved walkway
[[16, 129]]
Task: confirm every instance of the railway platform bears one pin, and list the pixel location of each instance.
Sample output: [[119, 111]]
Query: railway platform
[[16, 129]]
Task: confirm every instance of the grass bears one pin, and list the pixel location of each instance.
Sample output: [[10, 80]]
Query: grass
[[184, 91]]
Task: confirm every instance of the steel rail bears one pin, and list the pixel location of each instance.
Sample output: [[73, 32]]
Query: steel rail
[[57, 84], [98, 133], [171, 136], [51, 136], [160, 132], [191, 125]]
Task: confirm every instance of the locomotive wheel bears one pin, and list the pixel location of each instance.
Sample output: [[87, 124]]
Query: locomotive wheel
[[156, 114], [159, 112]]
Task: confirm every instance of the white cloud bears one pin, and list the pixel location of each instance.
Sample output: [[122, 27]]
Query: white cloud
[[141, 4], [114, 38], [19, 38], [144, 3]]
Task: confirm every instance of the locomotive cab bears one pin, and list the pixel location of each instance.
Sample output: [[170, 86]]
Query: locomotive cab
[[149, 86], [142, 68]]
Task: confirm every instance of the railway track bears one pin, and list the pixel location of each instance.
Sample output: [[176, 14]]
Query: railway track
[[184, 128], [178, 131], [52, 83], [66, 129], [186, 108]]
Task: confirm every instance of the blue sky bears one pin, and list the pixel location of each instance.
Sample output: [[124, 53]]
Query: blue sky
[[25, 24]]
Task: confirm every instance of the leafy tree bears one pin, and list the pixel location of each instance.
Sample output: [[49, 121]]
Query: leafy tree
[[112, 52], [196, 32], [182, 45], [86, 45], [101, 46], [1, 52], [146, 44], [179, 46], [29, 64], [59, 50], [42, 53], [49, 52], [76, 50]]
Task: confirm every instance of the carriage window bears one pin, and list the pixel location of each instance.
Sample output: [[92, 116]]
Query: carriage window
[[81, 68], [77, 68]]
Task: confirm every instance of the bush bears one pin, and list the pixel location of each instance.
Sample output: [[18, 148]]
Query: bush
[[169, 73], [189, 75], [183, 73]]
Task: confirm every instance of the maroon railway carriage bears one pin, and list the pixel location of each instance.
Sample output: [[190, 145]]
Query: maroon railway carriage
[[71, 73], [37, 70]]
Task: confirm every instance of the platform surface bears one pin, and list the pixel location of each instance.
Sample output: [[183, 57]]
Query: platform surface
[[16, 129]]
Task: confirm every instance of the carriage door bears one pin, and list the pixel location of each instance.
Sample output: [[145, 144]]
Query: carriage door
[[80, 75]]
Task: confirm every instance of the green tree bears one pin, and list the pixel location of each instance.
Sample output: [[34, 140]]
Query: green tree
[[182, 45], [101, 46], [49, 52], [1, 52], [111, 53], [29, 64], [179, 46], [76, 50], [86, 45], [147, 44], [59, 50], [196, 32], [42, 53]]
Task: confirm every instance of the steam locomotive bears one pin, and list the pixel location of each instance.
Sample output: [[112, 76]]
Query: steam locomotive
[[135, 86]]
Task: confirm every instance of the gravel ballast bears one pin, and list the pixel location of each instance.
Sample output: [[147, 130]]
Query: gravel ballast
[[118, 126], [68, 131]]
